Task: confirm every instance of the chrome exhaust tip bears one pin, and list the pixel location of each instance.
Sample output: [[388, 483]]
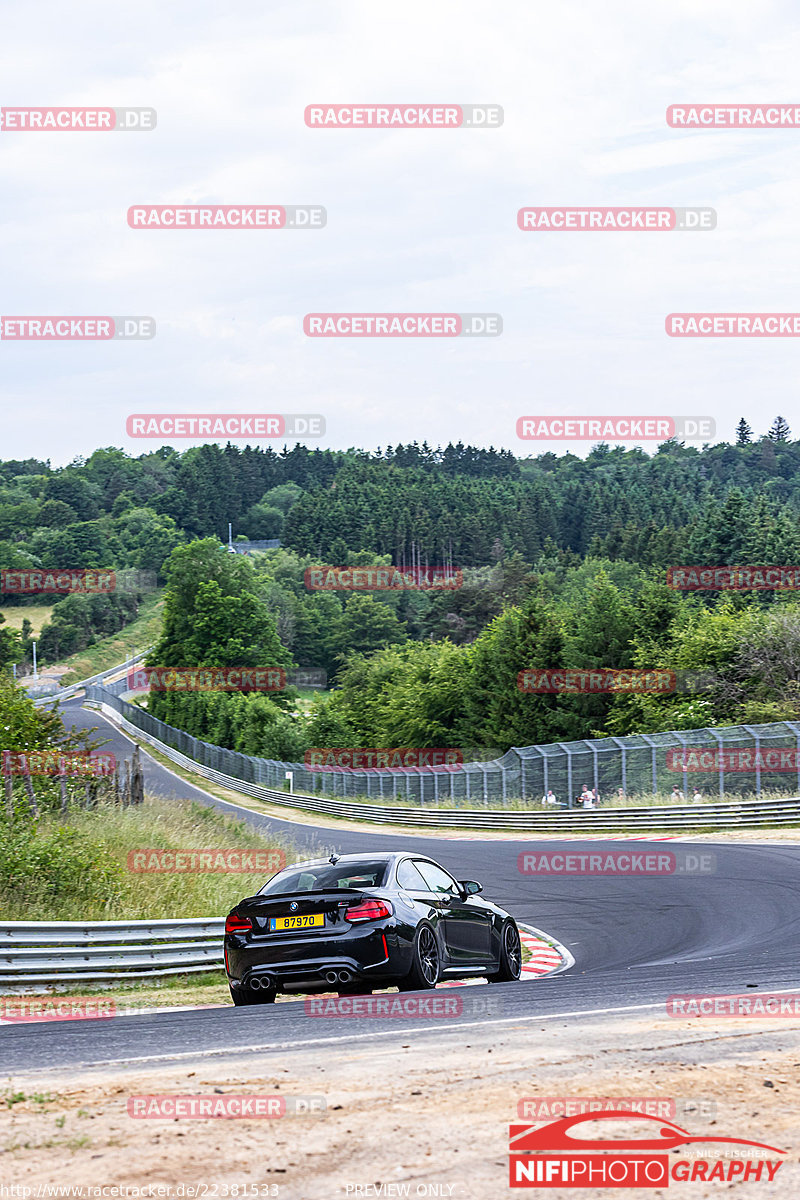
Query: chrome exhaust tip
[[255, 983], [345, 976], [331, 977]]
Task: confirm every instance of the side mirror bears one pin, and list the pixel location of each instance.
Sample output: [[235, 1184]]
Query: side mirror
[[469, 887]]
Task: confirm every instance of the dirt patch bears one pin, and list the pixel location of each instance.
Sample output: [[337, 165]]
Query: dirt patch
[[430, 1110]]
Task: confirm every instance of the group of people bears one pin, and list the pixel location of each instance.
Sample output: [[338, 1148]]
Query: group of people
[[678, 795], [590, 798]]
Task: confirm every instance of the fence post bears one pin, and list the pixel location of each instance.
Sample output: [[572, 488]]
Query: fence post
[[757, 741], [62, 784], [28, 783], [721, 752], [137, 778], [569, 772], [649, 741], [8, 785]]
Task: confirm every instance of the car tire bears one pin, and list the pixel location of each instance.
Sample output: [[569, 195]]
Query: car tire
[[510, 967], [241, 998], [426, 962]]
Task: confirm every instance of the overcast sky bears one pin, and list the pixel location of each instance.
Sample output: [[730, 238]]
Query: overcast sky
[[418, 220]]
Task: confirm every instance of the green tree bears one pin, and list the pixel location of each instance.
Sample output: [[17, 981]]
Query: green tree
[[744, 434], [779, 430], [368, 625]]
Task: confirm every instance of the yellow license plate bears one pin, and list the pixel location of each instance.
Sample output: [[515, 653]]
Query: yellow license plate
[[276, 924]]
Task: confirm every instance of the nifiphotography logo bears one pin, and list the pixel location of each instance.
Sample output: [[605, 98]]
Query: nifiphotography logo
[[552, 1155]]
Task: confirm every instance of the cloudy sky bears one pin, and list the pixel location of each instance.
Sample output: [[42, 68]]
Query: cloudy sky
[[417, 220]]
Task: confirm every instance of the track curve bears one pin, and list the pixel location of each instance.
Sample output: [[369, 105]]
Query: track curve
[[635, 940]]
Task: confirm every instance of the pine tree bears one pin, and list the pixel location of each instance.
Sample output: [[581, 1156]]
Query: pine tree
[[779, 430], [744, 434]]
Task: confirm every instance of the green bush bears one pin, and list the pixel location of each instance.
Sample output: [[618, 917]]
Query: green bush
[[45, 869]]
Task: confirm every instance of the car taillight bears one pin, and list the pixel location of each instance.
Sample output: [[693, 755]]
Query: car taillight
[[369, 910], [236, 924]]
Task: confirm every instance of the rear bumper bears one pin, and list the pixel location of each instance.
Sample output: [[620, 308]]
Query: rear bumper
[[305, 964]]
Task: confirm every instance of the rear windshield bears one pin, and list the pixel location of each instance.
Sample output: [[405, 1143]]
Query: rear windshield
[[326, 875]]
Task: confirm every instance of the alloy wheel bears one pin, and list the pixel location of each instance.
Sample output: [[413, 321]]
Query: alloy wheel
[[428, 955]]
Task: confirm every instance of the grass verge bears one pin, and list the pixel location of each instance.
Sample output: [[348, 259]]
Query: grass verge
[[110, 651], [77, 870], [37, 614]]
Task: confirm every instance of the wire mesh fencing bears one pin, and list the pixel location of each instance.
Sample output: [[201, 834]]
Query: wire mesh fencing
[[730, 761]]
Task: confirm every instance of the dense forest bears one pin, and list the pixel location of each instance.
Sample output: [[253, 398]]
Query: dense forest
[[563, 564]]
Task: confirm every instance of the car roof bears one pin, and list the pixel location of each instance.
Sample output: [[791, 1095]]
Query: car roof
[[380, 856]]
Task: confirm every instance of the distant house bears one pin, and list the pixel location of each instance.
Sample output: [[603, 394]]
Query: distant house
[[249, 547]]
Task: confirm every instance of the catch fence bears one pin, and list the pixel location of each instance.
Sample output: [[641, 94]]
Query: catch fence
[[640, 765]]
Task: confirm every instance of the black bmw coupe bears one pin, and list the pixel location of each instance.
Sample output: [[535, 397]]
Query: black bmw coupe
[[355, 922]]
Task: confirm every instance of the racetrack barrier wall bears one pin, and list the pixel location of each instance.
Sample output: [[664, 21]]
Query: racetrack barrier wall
[[426, 788], [73, 952]]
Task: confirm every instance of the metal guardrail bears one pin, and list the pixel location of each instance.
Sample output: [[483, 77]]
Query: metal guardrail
[[636, 764], [59, 693], [55, 952], [685, 817]]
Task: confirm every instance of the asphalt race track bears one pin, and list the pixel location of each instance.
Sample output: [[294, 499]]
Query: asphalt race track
[[635, 940]]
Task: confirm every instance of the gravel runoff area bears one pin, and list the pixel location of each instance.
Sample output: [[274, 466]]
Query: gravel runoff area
[[429, 1110]]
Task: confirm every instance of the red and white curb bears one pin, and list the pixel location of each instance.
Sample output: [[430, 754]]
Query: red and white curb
[[544, 957], [547, 956]]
